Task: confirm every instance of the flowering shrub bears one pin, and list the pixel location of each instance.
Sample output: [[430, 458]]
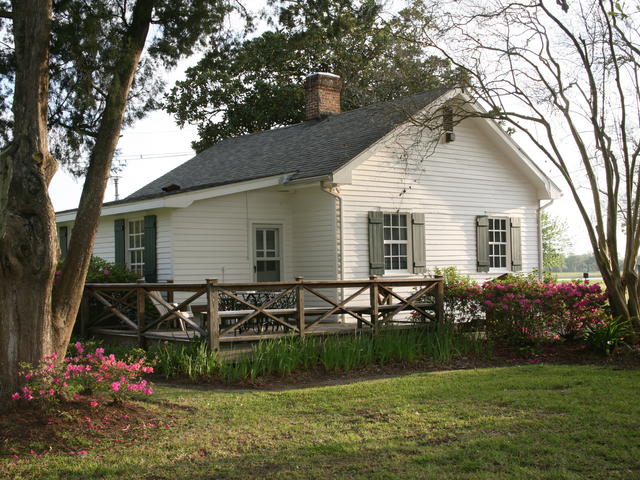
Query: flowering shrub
[[101, 271], [461, 296], [521, 310], [86, 373]]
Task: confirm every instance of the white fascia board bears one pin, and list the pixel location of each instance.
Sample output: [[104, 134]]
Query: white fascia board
[[343, 175], [183, 200]]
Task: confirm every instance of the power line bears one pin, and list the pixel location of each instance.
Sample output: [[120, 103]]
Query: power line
[[154, 156]]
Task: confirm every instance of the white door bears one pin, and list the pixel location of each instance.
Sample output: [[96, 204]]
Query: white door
[[267, 256]]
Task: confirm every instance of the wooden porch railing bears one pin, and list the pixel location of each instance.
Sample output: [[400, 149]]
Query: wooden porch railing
[[135, 308]]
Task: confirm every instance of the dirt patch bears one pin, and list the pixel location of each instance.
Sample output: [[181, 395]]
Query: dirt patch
[[76, 427]]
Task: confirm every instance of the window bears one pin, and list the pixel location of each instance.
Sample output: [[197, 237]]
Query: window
[[396, 243], [497, 243], [135, 246]]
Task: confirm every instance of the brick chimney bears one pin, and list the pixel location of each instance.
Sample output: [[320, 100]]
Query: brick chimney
[[321, 94]]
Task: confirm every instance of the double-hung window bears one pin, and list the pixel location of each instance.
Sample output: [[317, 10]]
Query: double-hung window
[[135, 245], [498, 242], [396, 242]]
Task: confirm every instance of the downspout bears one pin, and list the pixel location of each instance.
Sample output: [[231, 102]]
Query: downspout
[[540, 250], [329, 189]]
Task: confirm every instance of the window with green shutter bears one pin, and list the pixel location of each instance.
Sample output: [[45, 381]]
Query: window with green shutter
[[498, 243], [516, 245], [119, 241], [376, 243], [396, 243]]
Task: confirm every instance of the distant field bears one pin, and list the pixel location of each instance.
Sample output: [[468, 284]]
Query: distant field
[[576, 274]]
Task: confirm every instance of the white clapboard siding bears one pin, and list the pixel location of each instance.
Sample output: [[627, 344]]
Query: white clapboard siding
[[212, 238], [104, 246], [314, 238], [451, 186], [164, 243]]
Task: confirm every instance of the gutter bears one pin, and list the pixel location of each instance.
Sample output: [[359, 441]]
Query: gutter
[[540, 250]]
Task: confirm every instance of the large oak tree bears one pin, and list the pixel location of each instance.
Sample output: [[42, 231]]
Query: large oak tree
[[72, 74]]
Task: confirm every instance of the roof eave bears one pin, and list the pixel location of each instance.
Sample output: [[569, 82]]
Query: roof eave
[[184, 199]]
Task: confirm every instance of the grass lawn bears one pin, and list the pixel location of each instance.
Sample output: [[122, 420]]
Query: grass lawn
[[525, 422]]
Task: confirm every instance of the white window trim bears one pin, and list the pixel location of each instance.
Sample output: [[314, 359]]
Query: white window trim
[[406, 272], [507, 267]]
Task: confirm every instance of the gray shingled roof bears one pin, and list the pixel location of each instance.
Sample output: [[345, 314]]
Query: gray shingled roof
[[309, 149]]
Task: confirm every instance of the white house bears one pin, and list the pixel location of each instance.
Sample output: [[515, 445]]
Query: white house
[[338, 196]]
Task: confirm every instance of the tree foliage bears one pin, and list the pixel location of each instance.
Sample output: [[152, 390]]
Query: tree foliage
[[245, 85], [84, 49], [555, 242]]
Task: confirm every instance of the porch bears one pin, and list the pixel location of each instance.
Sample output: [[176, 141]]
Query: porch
[[230, 313]]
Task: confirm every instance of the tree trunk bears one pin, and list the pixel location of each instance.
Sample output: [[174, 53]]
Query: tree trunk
[[34, 320], [28, 245], [68, 292]]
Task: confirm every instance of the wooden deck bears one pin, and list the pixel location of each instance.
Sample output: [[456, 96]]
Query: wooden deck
[[146, 311]]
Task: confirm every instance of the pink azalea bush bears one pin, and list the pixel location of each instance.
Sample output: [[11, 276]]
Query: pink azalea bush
[[85, 373], [524, 311], [520, 311]]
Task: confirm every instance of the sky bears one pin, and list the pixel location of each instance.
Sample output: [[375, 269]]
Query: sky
[[156, 145]]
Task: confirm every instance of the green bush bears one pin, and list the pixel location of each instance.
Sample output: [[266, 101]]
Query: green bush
[[102, 271], [605, 337], [461, 301]]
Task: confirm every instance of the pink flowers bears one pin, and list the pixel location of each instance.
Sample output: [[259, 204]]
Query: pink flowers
[[93, 403], [90, 373], [521, 311]]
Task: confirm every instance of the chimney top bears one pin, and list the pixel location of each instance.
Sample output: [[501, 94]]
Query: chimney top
[[322, 94]]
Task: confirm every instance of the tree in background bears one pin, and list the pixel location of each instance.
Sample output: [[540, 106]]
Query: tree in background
[[72, 74], [248, 85], [555, 242], [564, 75]]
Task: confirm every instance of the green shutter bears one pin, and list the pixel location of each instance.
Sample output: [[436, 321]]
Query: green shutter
[[118, 227], [376, 243], [482, 243], [516, 245], [417, 243], [63, 240], [150, 257]]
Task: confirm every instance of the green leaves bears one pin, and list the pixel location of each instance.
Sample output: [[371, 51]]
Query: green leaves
[[253, 84], [555, 241], [86, 42]]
